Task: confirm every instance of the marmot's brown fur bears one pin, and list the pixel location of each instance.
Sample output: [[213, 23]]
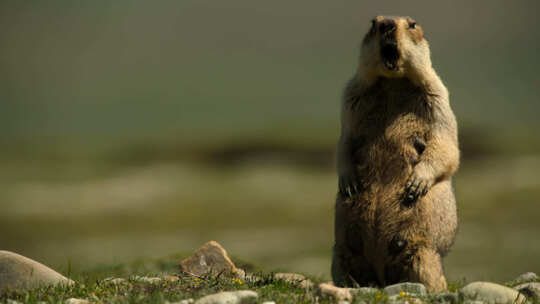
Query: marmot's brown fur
[[395, 211]]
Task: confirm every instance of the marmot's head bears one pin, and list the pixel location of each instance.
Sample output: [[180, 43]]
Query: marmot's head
[[394, 47]]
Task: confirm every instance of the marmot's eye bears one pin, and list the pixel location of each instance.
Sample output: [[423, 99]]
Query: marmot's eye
[[412, 25], [373, 22]]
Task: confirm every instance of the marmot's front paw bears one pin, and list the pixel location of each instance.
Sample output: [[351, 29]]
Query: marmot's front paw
[[349, 185], [415, 187]]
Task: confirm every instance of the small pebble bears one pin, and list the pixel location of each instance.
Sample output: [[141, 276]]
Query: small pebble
[[413, 288], [230, 297], [76, 301], [151, 280], [340, 294], [186, 301], [364, 291], [171, 278], [115, 281]]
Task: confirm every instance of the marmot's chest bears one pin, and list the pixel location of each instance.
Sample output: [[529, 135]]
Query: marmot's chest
[[390, 138]]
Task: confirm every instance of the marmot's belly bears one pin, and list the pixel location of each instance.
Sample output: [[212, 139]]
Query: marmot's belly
[[384, 167]]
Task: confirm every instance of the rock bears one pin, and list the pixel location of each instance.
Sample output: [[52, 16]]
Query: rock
[[413, 288], [76, 301], [19, 272], [449, 297], [252, 278], [472, 302], [362, 291], [340, 294], [403, 298], [209, 258], [230, 297], [530, 290], [491, 293], [528, 276], [186, 301], [240, 274], [344, 302], [114, 281], [151, 280], [10, 301], [294, 278], [269, 302], [170, 278]]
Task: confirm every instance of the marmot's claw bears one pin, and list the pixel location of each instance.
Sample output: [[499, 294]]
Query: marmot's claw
[[347, 187], [414, 188]]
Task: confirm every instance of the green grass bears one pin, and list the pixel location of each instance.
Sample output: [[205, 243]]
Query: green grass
[[91, 286]]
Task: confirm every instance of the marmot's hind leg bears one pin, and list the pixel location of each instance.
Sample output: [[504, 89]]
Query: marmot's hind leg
[[427, 269], [341, 267], [351, 269]]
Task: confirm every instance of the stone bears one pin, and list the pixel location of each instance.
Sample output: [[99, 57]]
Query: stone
[[230, 297], [186, 301], [170, 278], [151, 280], [294, 278], [362, 291], [76, 301], [344, 302], [472, 302], [209, 258], [413, 288], [403, 298], [528, 276], [114, 281], [269, 302], [10, 301], [491, 293], [240, 274], [19, 272], [448, 297], [530, 290], [340, 294]]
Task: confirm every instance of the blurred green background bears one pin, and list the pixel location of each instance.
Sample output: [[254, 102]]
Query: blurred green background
[[136, 129]]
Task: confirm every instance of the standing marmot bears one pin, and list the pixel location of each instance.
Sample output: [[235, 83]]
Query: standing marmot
[[395, 211]]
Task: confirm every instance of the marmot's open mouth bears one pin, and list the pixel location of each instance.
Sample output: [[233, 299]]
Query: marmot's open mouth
[[390, 55]]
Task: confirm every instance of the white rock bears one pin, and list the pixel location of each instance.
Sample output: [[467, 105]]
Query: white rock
[[10, 301], [364, 291], [186, 301], [76, 301], [19, 272], [240, 274], [151, 280], [472, 302], [340, 294], [114, 281], [528, 276], [491, 293], [413, 288], [344, 302], [230, 297], [269, 302]]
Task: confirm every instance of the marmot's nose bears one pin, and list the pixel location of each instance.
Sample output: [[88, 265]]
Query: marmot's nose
[[387, 25]]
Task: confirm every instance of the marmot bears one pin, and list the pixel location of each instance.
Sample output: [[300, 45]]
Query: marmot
[[395, 214]]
